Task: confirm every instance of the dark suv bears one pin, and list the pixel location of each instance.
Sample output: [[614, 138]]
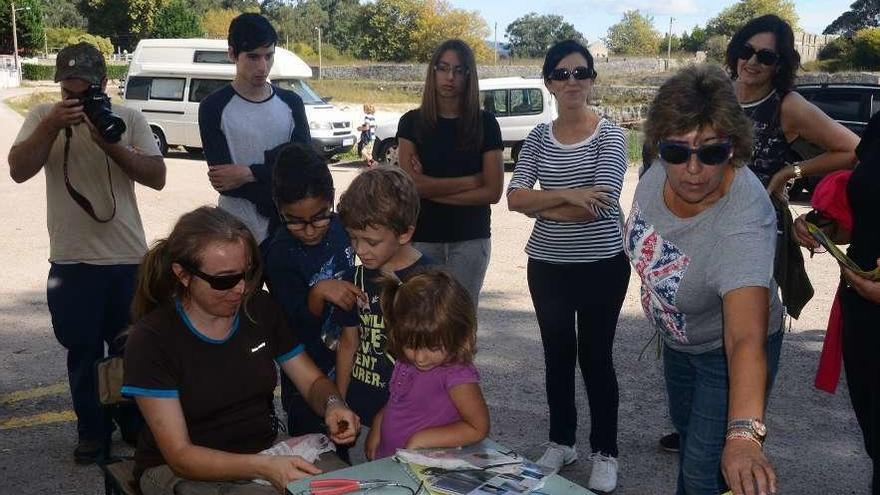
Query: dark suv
[[850, 104]]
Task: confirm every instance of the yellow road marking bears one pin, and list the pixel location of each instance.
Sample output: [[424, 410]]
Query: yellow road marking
[[37, 419], [33, 393]]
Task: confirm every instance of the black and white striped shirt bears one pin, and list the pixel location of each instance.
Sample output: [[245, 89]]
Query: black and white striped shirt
[[600, 159]]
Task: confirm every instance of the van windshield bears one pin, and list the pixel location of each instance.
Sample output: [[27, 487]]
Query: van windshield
[[298, 86]]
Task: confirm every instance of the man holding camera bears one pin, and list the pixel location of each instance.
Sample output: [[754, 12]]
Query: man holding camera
[[92, 156]]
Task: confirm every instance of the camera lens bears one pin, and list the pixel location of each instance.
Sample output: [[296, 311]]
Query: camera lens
[[97, 108]]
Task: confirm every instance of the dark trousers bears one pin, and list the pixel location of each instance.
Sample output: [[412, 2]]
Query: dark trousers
[[90, 306], [577, 306], [861, 360]]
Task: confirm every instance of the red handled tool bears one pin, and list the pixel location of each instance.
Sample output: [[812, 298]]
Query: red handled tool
[[340, 486]]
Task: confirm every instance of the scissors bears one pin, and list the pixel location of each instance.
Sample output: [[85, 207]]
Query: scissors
[[339, 486]]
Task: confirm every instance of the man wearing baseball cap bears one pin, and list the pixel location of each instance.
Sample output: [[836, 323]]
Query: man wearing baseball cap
[[96, 238]]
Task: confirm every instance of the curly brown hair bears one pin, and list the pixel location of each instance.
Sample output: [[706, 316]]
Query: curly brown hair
[[429, 309], [697, 97], [384, 196]]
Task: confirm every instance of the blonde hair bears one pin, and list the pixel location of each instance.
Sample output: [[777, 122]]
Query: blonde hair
[[384, 196], [429, 309], [369, 108]]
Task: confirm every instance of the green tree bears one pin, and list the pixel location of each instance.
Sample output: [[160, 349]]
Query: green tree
[[101, 43], [176, 19], [716, 47], [29, 24], [296, 23], [729, 20], [56, 37], [439, 21], [663, 46], [866, 48], [634, 35], [215, 22], [61, 14], [861, 14], [695, 41], [343, 28], [387, 27], [531, 34], [126, 20]]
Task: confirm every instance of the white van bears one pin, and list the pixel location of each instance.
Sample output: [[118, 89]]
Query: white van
[[518, 103], [167, 78]]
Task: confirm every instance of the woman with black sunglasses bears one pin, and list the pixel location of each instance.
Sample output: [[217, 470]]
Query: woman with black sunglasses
[[701, 237], [200, 363], [577, 271], [763, 62]]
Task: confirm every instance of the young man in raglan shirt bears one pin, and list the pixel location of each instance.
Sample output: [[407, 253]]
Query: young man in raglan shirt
[[241, 122]]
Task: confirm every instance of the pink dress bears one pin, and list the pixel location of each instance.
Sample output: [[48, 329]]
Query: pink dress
[[420, 400]]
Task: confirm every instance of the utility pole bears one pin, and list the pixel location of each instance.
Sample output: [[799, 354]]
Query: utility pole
[[320, 58], [669, 42], [496, 44], [15, 41]]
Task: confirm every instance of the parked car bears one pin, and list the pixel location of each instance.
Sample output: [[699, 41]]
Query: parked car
[[518, 103], [850, 104], [167, 78]]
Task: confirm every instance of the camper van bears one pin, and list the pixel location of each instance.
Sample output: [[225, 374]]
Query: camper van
[[167, 78]]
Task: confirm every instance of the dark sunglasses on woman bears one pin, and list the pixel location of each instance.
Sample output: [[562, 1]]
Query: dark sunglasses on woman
[[765, 56], [579, 73], [217, 282], [675, 153]]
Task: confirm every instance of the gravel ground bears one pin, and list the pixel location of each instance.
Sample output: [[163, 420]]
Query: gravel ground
[[814, 439]]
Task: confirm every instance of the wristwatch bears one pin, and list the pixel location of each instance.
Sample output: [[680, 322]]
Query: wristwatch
[[798, 173], [334, 400], [752, 425]]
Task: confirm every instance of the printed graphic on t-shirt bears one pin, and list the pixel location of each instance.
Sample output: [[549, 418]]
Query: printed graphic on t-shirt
[[333, 268], [372, 359], [661, 266]]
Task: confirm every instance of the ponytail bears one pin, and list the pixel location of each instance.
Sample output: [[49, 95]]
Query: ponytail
[[156, 284]]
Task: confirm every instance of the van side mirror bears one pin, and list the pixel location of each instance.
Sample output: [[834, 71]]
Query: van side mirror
[[327, 98]]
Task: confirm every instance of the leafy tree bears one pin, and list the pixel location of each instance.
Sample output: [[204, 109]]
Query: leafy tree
[[531, 34], [387, 26], [176, 20], [438, 21], [29, 24], [125, 20], [866, 48], [695, 41], [242, 5], [101, 43], [62, 13], [56, 37], [296, 23], [729, 20], [215, 22], [634, 35], [716, 47], [663, 46], [861, 14], [840, 48], [343, 28]]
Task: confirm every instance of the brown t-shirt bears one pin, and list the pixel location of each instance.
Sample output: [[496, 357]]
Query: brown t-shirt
[[224, 387], [74, 236]]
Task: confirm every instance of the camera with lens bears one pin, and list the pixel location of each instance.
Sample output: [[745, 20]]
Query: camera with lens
[[96, 106]]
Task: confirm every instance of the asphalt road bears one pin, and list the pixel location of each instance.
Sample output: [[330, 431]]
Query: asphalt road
[[814, 440]]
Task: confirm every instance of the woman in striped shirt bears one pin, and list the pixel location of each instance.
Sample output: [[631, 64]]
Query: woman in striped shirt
[[577, 270]]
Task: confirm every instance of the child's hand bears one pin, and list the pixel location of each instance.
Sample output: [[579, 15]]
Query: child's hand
[[372, 444], [343, 424], [340, 292]]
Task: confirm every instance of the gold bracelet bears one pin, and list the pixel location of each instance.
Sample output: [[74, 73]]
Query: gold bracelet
[[744, 435]]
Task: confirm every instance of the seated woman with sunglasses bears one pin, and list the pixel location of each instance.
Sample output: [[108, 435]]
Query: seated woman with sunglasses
[[577, 271], [762, 61], [200, 363], [701, 237]]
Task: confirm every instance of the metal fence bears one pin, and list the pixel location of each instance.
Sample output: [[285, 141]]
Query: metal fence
[[9, 76]]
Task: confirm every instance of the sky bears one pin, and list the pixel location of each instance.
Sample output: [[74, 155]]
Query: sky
[[594, 17]]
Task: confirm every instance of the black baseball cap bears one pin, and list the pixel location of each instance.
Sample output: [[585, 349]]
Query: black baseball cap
[[80, 61]]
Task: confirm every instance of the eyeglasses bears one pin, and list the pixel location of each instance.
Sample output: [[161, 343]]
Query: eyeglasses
[[579, 73], [764, 56], [675, 153], [317, 222], [458, 70], [217, 282]]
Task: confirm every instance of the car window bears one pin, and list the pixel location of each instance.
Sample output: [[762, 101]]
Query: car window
[[138, 88], [167, 88], [309, 96], [494, 101], [211, 57], [842, 105], [527, 101], [875, 103], [199, 89]]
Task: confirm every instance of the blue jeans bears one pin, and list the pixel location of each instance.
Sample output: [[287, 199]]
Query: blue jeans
[[697, 386], [466, 260], [90, 306]]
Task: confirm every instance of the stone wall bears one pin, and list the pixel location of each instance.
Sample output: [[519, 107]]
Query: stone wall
[[809, 45]]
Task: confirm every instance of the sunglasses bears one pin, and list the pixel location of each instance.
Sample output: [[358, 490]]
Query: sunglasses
[[318, 222], [217, 282], [458, 70], [764, 56], [579, 73], [675, 153]]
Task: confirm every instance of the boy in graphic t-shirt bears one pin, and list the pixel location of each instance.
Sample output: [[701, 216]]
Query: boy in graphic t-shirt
[[379, 211]]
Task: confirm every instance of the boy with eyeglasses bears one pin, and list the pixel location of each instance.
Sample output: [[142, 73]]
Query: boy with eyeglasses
[[306, 255]]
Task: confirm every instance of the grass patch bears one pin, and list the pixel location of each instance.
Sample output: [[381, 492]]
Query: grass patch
[[23, 104], [634, 141], [375, 92]]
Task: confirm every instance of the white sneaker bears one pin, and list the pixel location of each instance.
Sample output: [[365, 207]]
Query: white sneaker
[[557, 456], [603, 478]]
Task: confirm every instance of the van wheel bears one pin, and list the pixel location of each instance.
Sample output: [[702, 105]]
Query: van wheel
[[159, 137], [388, 153], [514, 153]]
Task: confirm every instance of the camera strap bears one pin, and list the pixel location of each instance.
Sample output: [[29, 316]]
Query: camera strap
[[81, 200]]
